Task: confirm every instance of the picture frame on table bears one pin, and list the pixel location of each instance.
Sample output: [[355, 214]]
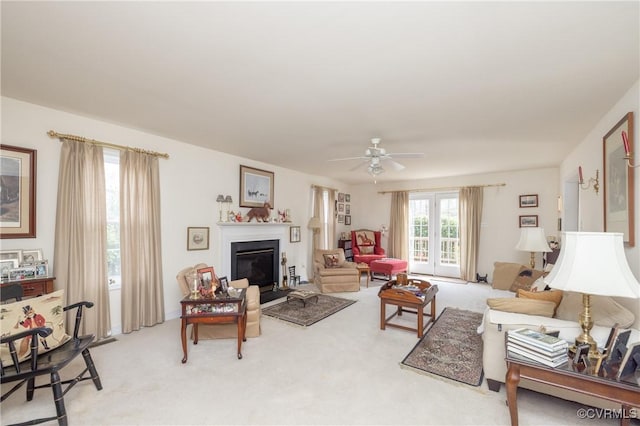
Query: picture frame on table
[[198, 238], [18, 203], [256, 187], [630, 363], [31, 256], [6, 266], [207, 276], [42, 268], [294, 234], [528, 200], [224, 284], [618, 182], [528, 221], [11, 255]]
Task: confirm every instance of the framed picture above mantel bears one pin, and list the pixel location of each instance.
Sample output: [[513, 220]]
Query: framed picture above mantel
[[18, 194], [256, 187]]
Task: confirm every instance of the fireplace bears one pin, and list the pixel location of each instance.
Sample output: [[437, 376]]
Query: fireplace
[[258, 261]]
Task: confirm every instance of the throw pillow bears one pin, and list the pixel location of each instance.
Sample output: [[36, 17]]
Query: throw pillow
[[525, 279], [605, 311], [504, 273], [331, 261], [523, 306], [366, 249], [43, 311], [554, 296], [538, 285]]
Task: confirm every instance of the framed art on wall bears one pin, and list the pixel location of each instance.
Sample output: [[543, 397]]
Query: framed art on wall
[[198, 238], [530, 200], [18, 194], [256, 187], [529, 221], [618, 185], [294, 234]]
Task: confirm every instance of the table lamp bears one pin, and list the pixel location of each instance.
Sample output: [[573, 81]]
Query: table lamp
[[314, 224], [220, 200], [532, 240], [593, 263]]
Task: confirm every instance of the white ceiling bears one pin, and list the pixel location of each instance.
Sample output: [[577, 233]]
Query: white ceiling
[[477, 86]]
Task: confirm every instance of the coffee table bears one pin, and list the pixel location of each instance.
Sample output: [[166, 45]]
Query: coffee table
[[415, 296], [303, 296]]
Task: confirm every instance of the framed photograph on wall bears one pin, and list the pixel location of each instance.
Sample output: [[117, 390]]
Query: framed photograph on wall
[[294, 234], [340, 218], [18, 200], [347, 198], [256, 187], [618, 185], [529, 200], [529, 221], [341, 197], [198, 238], [340, 207], [347, 219]]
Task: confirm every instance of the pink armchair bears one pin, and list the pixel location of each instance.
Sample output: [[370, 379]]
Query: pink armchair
[[365, 245]]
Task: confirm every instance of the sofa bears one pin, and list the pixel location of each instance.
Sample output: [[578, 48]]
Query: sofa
[[225, 331], [547, 311], [366, 246], [333, 273]]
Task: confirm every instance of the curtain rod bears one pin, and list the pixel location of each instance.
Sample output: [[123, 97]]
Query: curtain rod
[[324, 187], [442, 188], [75, 138]]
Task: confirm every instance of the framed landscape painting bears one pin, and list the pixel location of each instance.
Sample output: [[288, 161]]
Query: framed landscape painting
[[18, 192], [618, 182], [256, 187]]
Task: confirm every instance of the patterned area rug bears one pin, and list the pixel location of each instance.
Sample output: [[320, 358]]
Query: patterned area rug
[[451, 348], [294, 311]]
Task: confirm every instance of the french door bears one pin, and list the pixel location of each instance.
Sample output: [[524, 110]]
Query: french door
[[434, 244]]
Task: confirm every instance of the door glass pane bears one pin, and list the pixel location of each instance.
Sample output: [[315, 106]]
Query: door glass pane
[[449, 238], [419, 230]]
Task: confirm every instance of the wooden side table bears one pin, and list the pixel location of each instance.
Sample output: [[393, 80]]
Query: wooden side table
[[393, 294], [363, 268], [217, 310], [565, 377], [34, 287]]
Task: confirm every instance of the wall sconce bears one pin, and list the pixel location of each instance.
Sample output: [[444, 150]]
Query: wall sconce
[[595, 182], [627, 151], [220, 200]]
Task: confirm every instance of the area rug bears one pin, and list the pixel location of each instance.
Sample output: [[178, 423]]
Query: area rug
[[451, 348], [295, 312]]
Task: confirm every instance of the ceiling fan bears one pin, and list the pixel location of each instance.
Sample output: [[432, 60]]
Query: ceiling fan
[[374, 156]]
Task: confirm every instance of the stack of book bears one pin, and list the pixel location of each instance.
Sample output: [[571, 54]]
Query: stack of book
[[536, 346]]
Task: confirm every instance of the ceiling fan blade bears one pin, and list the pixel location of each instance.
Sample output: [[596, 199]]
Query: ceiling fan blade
[[364, 163], [393, 164], [406, 154], [349, 158]]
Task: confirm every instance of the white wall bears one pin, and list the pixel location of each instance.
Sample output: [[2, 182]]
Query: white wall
[[500, 213], [191, 179], [588, 154]]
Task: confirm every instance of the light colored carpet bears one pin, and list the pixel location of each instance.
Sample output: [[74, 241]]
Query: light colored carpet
[[342, 371]]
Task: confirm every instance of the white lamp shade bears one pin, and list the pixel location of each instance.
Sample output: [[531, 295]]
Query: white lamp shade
[[593, 263], [532, 239]]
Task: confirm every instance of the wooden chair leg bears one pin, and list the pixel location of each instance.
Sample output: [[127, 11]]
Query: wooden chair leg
[[58, 398], [92, 369]]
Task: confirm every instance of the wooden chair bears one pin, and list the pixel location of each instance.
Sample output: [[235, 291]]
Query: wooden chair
[[294, 279], [47, 363]]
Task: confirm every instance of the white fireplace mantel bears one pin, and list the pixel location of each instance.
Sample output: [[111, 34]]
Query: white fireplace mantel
[[232, 232]]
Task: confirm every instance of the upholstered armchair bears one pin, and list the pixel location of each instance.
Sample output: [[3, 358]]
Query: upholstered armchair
[[225, 331], [332, 273], [365, 244]]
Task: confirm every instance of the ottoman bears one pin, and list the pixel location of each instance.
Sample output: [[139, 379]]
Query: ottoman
[[387, 267]]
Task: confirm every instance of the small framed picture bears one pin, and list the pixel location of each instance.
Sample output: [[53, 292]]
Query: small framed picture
[[6, 266], [42, 268], [11, 255], [340, 218], [529, 221], [341, 207], [224, 284], [347, 198], [207, 276], [347, 209], [31, 256], [347, 219], [198, 238], [530, 200], [341, 197], [582, 352], [630, 362], [294, 234]]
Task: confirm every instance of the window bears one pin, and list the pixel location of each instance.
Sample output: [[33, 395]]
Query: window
[[112, 187]]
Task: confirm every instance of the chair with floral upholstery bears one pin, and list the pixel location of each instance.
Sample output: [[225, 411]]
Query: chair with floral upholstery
[[365, 245]]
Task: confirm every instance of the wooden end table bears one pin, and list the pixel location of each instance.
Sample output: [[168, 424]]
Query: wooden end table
[[363, 268], [221, 309], [566, 377], [416, 295]]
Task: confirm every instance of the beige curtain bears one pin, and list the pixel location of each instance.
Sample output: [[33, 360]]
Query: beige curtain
[[470, 219], [140, 242], [80, 250], [399, 226], [324, 209]]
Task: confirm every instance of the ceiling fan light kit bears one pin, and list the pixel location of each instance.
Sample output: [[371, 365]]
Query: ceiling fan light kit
[[374, 155]]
